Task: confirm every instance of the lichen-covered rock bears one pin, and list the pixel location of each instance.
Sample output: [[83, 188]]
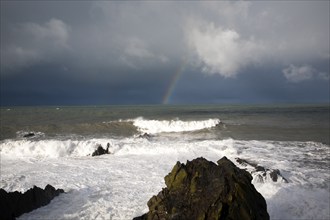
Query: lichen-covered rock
[[14, 204], [204, 190]]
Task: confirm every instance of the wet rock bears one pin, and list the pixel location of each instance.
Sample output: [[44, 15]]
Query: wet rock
[[221, 124], [202, 189], [260, 168], [245, 162], [14, 204], [100, 150], [145, 135], [274, 175], [261, 172], [28, 135]]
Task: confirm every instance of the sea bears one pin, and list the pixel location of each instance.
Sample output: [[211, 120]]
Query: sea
[[53, 145]]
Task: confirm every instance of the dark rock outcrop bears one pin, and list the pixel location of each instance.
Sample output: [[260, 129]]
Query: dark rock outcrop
[[204, 190], [145, 135], [100, 150], [14, 204], [261, 172], [28, 135]]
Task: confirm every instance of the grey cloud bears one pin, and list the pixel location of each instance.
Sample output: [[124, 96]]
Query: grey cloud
[[35, 43], [223, 37], [287, 33], [222, 51], [296, 74], [126, 34], [55, 31], [123, 43], [324, 76], [137, 48]]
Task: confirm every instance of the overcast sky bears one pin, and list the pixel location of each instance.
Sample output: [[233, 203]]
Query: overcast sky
[[164, 52]]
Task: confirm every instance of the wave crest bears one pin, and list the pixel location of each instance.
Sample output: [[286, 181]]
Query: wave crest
[[49, 148], [163, 126]]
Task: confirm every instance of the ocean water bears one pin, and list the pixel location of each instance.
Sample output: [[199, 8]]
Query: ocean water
[[291, 138]]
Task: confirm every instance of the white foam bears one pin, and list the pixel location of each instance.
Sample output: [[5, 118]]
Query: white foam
[[159, 126], [49, 148], [119, 185]]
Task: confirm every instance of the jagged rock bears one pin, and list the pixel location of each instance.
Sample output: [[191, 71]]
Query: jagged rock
[[204, 190], [14, 204], [220, 124], [100, 150], [30, 134], [145, 135], [262, 171], [274, 175]]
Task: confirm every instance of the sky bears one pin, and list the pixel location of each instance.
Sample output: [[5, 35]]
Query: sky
[[164, 52]]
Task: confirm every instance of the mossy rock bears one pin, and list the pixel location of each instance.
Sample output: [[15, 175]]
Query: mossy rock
[[201, 189]]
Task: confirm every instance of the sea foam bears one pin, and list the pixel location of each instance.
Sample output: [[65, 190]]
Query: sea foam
[[119, 185], [49, 148], [159, 126]]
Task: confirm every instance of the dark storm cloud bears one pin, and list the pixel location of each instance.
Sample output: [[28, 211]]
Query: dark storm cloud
[[254, 86], [129, 52], [47, 85]]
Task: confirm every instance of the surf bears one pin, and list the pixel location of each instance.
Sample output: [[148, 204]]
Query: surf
[[167, 126]]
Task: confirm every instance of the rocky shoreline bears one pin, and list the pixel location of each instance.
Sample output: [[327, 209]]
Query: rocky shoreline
[[262, 173], [201, 189], [14, 204]]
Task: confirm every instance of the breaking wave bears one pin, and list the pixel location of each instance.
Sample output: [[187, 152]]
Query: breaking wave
[[49, 148], [163, 126]]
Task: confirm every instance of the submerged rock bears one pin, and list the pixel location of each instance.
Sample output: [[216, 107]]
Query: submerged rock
[[100, 150], [262, 172], [14, 204], [204, 190]]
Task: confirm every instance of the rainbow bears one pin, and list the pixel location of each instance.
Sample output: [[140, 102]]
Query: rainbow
[[175, 78]]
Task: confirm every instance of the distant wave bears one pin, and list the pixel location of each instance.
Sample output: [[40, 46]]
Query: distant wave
[[160, 126]]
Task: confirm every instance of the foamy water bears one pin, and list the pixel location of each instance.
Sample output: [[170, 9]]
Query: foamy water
[[119, 185]]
